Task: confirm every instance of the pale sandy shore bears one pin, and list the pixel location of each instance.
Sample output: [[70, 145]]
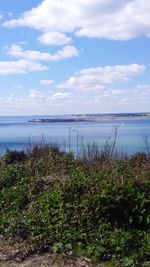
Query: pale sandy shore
[[121, 116]]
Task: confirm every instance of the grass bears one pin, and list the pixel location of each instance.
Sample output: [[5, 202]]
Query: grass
[[95, 206]]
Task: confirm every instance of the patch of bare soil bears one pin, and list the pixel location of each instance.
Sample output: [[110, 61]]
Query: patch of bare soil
[[45, 261], [12, 258]]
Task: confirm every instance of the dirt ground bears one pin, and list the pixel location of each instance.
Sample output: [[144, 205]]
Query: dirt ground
[[14, 258], [10, 256], [45, 261]]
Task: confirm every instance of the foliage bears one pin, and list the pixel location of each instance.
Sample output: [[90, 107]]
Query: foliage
[[98, 208], [14, 156]]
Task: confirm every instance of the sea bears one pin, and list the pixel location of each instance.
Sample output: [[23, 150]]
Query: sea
[[20, 133]]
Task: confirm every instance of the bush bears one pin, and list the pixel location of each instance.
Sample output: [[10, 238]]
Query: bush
[[11, 157], [102, 212], [138, 159]]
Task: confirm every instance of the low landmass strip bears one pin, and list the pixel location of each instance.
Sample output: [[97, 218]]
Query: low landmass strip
[[93, 117]]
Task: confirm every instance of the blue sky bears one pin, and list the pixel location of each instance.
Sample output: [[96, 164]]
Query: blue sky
[[73, 56]]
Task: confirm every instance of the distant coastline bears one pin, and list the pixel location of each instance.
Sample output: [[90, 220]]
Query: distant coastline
[[93, 117]]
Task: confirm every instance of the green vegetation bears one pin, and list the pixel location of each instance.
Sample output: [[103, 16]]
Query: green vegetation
[[98, 208]]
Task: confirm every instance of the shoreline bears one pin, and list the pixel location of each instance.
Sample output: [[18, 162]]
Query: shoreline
[[92, 118]]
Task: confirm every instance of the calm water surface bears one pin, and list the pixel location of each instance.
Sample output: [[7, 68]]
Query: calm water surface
[[18, 132]]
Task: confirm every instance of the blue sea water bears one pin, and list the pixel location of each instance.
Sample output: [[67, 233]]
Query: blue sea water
[[18, 133]]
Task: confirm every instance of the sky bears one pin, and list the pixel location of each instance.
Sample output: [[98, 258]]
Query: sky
[[74, 56]]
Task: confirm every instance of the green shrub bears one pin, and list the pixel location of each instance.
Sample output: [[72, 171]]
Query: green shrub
[[102, 212]]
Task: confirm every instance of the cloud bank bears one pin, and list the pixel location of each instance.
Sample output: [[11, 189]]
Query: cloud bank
[[111, 19], [33, 55], [20, 67], [97, 78]]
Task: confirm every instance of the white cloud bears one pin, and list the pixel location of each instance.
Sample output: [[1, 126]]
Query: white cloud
[[37, 97], [136, 99], [111, 19], [61, 96], [107, 100], [36, 102], [46, 82], [20, 66], [34, 55], [97, 78], [54, 38], [143, 87]]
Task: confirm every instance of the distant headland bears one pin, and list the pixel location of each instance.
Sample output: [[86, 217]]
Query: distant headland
[[92, 117]]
